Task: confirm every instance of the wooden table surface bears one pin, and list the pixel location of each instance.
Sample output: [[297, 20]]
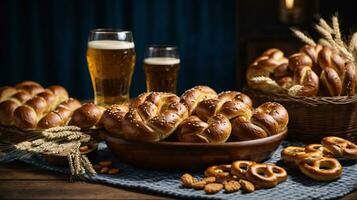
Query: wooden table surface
[[21, 181]]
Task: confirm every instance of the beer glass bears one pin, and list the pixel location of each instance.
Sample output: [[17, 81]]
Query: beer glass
[[161, 66], [111, 60]]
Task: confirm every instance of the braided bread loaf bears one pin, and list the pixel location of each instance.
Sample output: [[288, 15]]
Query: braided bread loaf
[[28, 115], [153, 117], [14, 97], [59, 116], [212, 125], [268, 119]]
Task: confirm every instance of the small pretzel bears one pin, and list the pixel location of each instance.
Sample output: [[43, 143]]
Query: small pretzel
[[240, 168], [320, 148], [266, 175], [323, 169], [293, 155], [221, 172], [340, 147]]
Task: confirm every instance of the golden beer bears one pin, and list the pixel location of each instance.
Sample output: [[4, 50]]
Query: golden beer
[[161, 73], [111, 66]]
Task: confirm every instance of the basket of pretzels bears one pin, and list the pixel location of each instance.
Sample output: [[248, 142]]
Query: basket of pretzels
[[316, 85]]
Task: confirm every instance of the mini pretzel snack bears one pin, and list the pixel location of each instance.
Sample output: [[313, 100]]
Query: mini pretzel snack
[[241, 174]]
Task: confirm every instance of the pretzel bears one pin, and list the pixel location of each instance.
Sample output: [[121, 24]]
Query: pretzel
[[293, 155], [260, 71], [221, 172], [321, 169], [305, 81], [266, 175], [240, 168], [216, 130], [156, 118], [230, 104], [268, 119], [190, 98], [340, 147], [320, 148], [112, 117], [212, 125]]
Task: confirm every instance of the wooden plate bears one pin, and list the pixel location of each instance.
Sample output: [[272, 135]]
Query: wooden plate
[[188, 156]]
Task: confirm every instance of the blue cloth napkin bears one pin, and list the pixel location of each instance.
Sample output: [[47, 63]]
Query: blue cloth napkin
[[298, 186]]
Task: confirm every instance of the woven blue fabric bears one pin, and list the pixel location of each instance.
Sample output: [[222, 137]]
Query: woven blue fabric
[[298, 186]]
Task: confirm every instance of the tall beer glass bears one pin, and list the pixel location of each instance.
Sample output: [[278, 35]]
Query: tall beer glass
[[111, 60], [161, 67]]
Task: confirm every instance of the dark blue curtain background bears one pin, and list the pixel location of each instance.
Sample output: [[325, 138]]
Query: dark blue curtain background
[[46, 40]]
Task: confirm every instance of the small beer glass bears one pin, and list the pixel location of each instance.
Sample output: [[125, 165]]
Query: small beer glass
[[161, 66]]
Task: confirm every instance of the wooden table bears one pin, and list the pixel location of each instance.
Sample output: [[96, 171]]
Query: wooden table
[[21, 181]]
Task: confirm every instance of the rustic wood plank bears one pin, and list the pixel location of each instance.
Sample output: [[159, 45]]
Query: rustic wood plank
[[63, 190], [21, 171], [22, 181], [350, 196]]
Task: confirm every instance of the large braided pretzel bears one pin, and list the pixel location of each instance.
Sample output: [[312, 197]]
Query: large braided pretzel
[[260, 72], [212, 125], [268, 119], [154, 118], [195, 95], [305, 80]]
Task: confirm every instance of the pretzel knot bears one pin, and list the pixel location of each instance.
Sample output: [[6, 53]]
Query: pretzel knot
[[260, 71], [266, 175], [212, 125], [325, 152], [305, 80], [340, 147], [322, 169], [221, 172], [293, 155], [268, 119], [240, 168], [154, 118]]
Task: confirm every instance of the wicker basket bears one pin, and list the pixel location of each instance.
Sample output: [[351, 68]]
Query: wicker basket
[[312, 118]]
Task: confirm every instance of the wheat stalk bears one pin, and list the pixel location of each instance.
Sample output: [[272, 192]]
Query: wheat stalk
[[56, 141], [331, 37], [336, 28], [326, 26], [303, 37], [353, 43]]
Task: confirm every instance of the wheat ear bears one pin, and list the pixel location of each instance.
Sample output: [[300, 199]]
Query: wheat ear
[[337, 31], [303, 37]]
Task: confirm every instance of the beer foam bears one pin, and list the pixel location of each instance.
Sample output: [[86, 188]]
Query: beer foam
[[110, 44], [162, 61]]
